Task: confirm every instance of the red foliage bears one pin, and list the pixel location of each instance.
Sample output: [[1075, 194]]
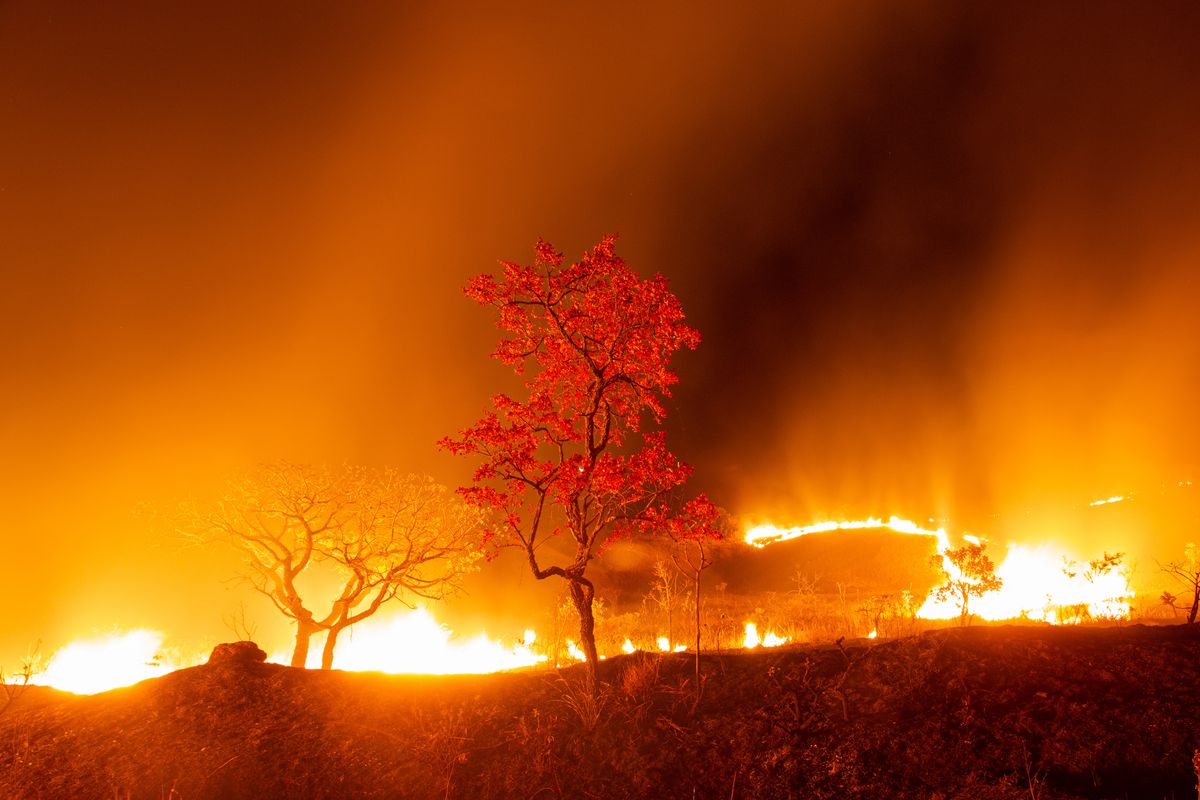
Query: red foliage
[[581, 453]]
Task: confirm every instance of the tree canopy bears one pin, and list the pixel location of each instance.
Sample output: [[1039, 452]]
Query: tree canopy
[[383, 534], [971, 574], [581, 453]]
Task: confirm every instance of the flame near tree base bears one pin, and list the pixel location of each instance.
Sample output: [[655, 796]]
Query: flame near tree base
[[407, 643]]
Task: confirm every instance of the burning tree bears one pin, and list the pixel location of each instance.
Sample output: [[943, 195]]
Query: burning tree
[[1186, 572], [578, 454], [971, 573], [379, 534]]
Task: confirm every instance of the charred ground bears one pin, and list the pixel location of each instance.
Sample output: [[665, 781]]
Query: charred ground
[[987, 712]]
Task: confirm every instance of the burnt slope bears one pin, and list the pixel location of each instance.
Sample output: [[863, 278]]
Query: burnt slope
[[980, 713]]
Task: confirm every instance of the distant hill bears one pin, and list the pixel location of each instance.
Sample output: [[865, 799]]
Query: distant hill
[[871, 561], [995, 713], [865, 562]]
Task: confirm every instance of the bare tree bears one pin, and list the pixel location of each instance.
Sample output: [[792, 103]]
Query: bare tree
[[382, 534], [692, 556], [408, 536], [1093, 571], [241, 626], [664, 593], [14, 685], [1187, 573]]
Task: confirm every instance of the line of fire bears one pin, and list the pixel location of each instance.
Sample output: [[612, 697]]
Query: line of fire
[[1034, 582]]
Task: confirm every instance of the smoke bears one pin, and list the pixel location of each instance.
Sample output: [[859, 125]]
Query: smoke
[[963, 284]]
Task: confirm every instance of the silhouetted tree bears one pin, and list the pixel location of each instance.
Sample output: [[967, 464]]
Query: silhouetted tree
[[14, 685], [1187, 572], [665, 594], [692, 555], [579, 453], [383, 535], [972, 574]]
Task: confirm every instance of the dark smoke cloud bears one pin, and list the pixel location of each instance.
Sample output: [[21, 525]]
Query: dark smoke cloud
[[960, 280]]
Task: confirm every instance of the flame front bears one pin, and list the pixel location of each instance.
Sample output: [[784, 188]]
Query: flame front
[[763, 535], [97, 664], [416, 643], [1038, 585], [752, 640], [1037, 581]]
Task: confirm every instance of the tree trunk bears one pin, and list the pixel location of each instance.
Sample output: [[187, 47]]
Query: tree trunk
[[670, 622], [587, 630], [1195, 605], [304, 633], [698, 632], [330, 643]]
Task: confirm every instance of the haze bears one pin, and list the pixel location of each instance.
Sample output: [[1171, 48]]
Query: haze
[[943, 256]]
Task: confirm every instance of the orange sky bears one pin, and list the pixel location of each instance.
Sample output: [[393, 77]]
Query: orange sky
[[944, 258]]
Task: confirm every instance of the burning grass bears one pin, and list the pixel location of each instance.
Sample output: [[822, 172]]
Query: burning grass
[[990, 712]]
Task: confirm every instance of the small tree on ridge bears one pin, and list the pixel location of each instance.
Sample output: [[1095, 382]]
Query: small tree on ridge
[[971, 575]]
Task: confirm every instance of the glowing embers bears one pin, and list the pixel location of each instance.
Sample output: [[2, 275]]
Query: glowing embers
[[752, 639], [110, 661], [415, 643], [763, 535], [1042, 583]]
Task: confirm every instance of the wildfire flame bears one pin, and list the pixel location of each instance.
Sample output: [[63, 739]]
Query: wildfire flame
[[414, 642], [574, 652], [752, 639], [1037, 581], [97, 664], [763, 535], [1038, 585]]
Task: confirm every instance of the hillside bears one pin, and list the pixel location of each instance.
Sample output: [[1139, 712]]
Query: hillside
[[871, 560], [994, 712]]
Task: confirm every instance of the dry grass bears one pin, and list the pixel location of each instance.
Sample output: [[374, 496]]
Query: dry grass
[[987, 713]]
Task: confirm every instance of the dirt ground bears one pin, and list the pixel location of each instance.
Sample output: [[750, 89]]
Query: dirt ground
[[980, 713]]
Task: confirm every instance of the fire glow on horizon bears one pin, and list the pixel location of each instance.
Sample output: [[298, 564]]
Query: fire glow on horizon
[[406, 643], [1037, 581], [1040, 582], [415, 643], [108, 661], [762, 535]]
